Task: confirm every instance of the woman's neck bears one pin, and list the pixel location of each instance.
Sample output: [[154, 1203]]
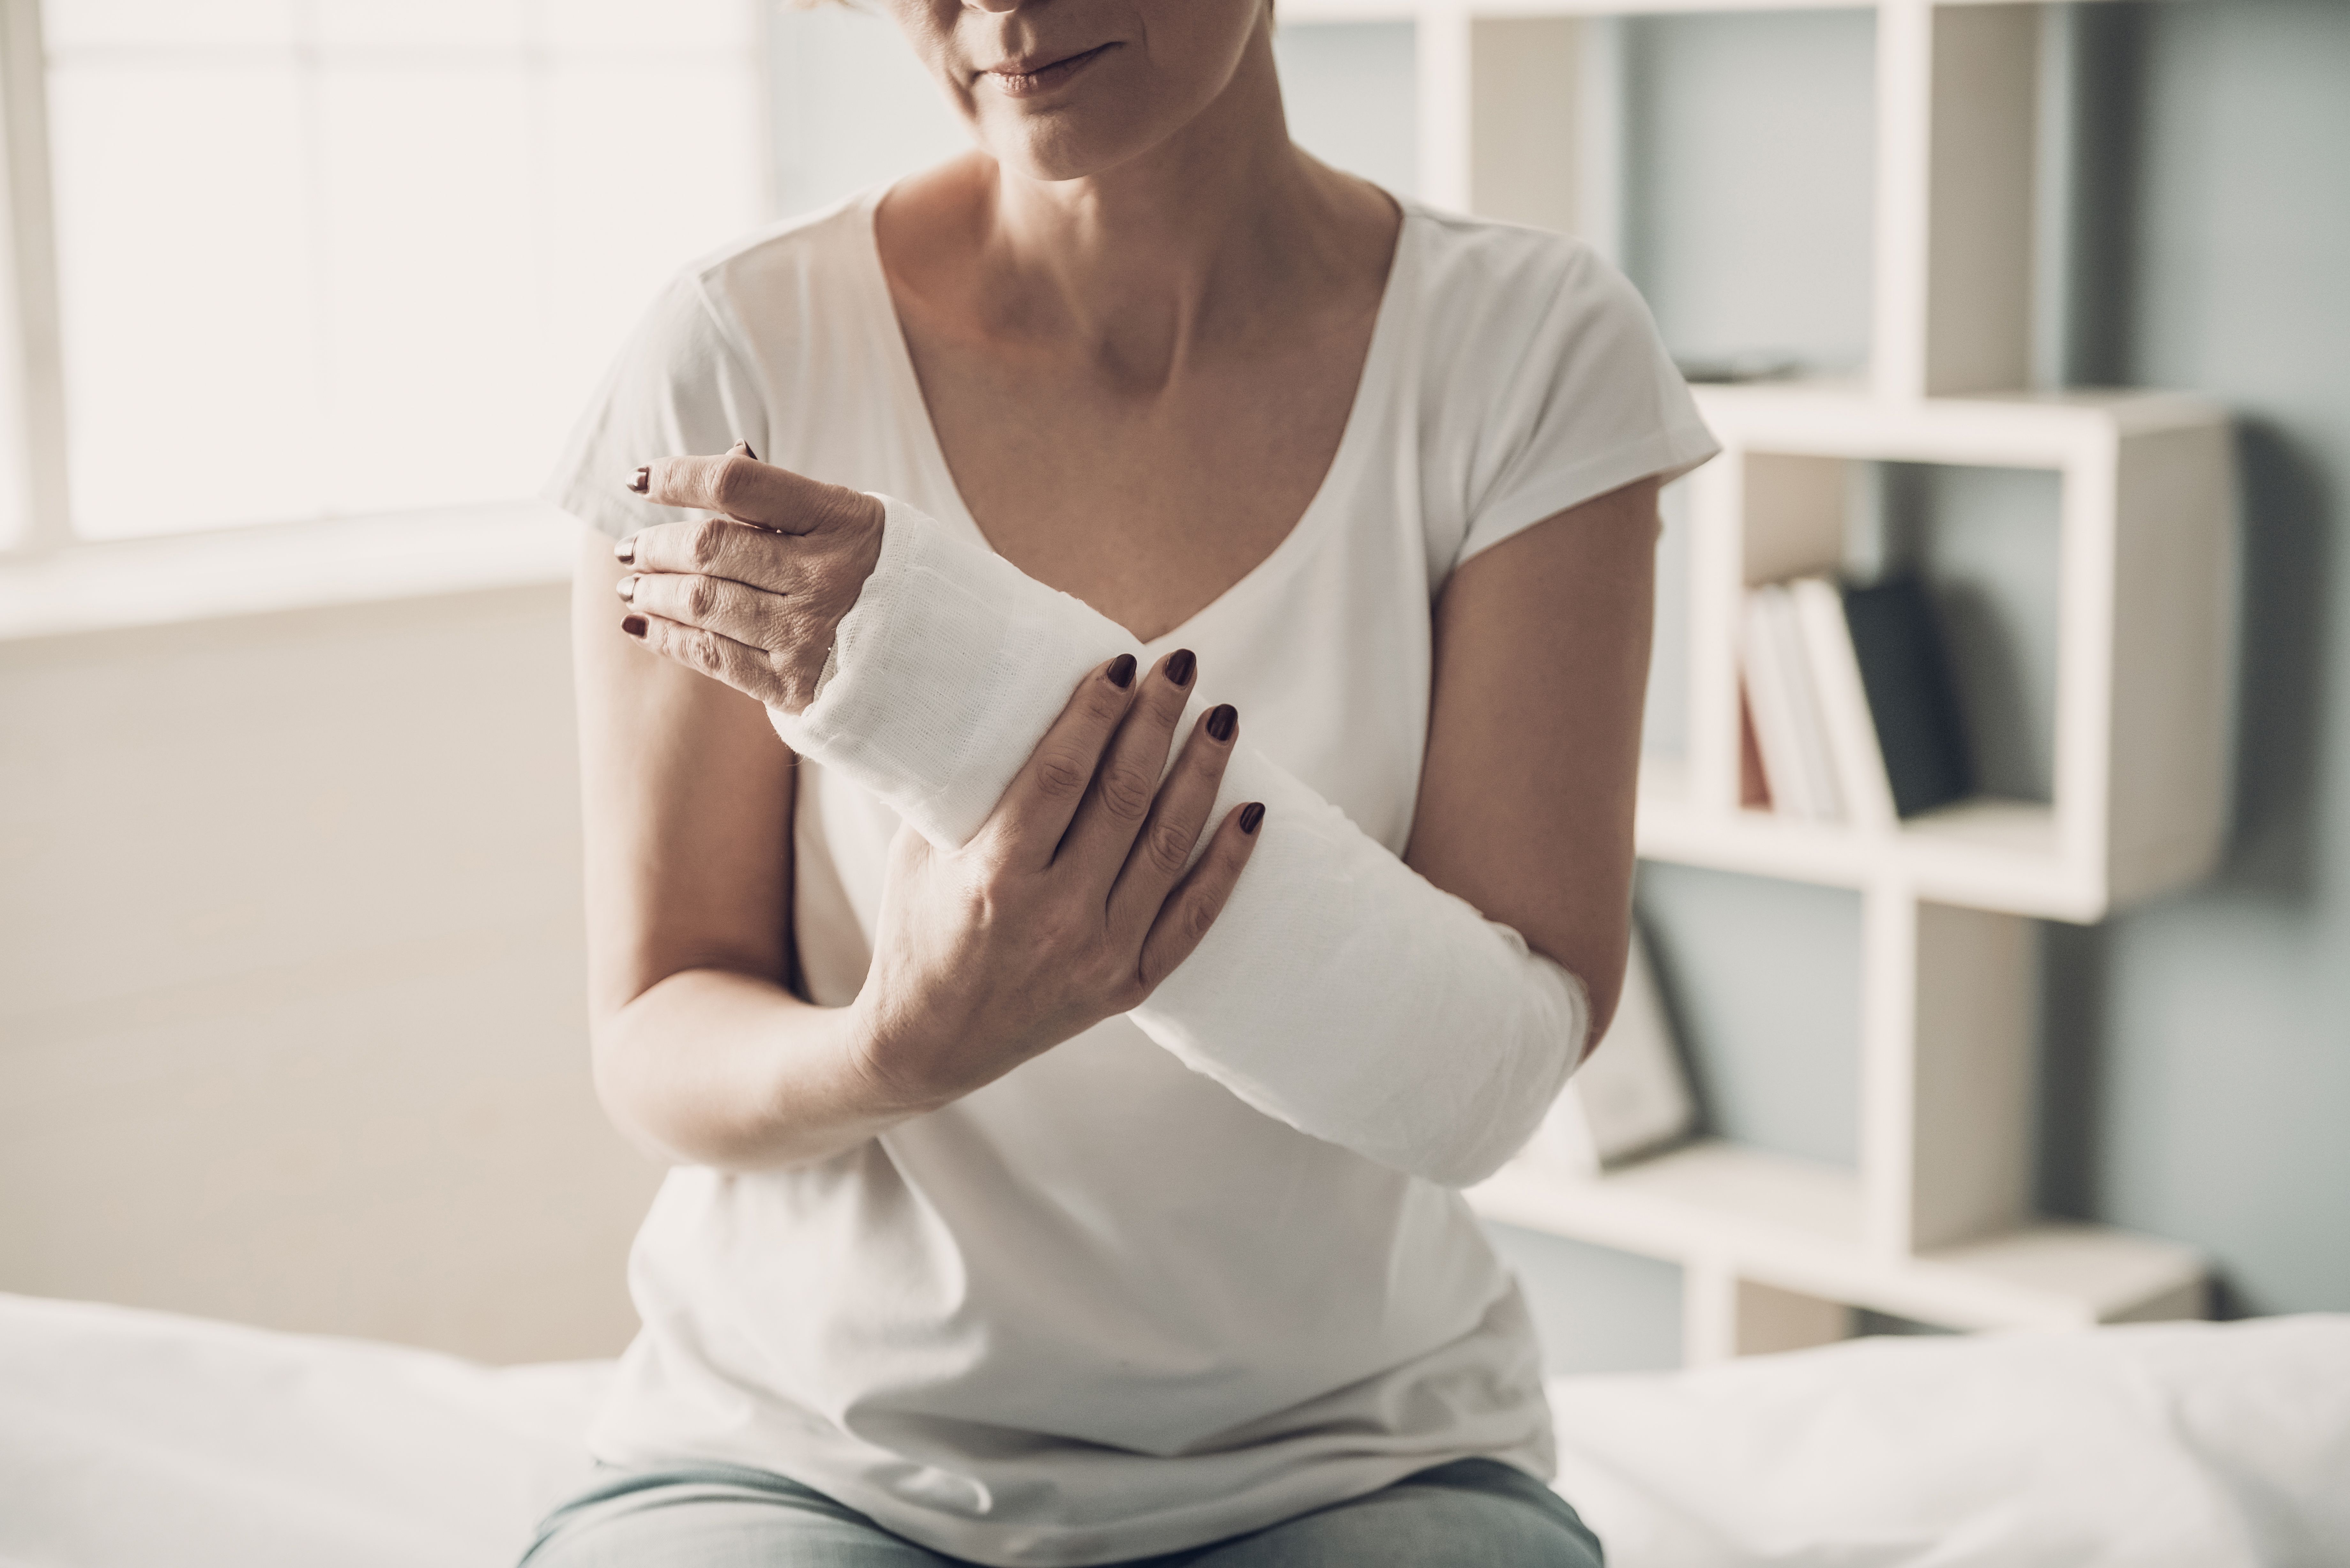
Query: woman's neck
[[1215, 235]]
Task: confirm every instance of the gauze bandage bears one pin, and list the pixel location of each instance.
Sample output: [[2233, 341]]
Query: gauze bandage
[[1340, 990]]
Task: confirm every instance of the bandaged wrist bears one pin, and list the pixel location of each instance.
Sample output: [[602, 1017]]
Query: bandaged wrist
[[944, 674], [1338, 989]]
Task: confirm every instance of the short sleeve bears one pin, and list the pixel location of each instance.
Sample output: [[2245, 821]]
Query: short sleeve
[[1590, 403], [680, 386]]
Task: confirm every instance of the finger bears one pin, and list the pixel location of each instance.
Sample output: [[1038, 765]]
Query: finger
[[1027, 824], [1163, 848], [1201, 897], [738, 665], [1126, 782], [715, 547], [742, 487], [714, 604]]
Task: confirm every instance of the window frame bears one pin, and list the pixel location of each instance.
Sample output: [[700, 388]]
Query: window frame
[[36, 361]]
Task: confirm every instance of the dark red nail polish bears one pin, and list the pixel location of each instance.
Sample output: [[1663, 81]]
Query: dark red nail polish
[[749, 453], [1222, 720], [1179, 666], [642, 480], [625, 552], [1121, 671], [633, 625], [1250, 815]]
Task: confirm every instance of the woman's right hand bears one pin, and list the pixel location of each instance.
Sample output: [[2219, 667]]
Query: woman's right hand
[[1071, 903]]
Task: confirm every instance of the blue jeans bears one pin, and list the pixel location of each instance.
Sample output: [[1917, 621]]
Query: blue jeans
[[1471, 1513]]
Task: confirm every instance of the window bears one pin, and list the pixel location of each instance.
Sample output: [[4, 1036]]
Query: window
[[328, 258]]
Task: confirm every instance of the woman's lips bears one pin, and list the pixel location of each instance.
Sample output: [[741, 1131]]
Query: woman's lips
[[1027, 81]]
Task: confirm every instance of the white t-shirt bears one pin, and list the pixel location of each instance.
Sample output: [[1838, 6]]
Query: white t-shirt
[[1100, 1309]]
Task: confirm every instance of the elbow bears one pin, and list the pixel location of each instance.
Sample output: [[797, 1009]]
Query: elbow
[[690, 1084], [1603, 999], [620, 1091], [1597, 977], [651, 1101]]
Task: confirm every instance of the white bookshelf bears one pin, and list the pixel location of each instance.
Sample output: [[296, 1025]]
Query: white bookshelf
[[1935, 1222]]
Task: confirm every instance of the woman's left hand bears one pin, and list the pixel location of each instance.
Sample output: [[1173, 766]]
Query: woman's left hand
[[752, 597]]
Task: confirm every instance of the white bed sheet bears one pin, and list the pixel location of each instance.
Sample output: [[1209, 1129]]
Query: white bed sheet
[[2154, 1445], [136, 1439], [140, 1439]]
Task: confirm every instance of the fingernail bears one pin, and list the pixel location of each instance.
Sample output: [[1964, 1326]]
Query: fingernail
[[633, 625], [642, 480], [747, 452], [1222, 720], [627, 585], [1121, 671], [625, 552], [1250, 815], [1179, 666]]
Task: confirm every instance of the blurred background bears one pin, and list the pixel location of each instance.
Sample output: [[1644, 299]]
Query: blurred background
[[302, 294]]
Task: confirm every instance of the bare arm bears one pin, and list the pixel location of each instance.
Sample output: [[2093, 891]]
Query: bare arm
[[1526, 797], [702, 1055]]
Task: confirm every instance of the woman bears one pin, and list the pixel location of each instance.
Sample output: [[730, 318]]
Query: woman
[[1071, 1181]]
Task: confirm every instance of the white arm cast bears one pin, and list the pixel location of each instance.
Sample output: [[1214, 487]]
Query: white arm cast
[[1340, 990]]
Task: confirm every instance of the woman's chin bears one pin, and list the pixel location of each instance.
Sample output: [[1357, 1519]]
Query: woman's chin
[[1074, 134]]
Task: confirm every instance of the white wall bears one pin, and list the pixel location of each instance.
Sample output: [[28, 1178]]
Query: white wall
[[291, 1016]]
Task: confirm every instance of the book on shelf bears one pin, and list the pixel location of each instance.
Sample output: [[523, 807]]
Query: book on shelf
[[1851, 733], [1789, 731], [1631, 1098], [1853, 710], [1912, 699]]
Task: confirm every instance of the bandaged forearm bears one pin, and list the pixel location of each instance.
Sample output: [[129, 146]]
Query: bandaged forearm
[[1338, 990]]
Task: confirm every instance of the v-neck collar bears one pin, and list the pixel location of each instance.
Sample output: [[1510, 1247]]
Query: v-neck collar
[[1371, 387]]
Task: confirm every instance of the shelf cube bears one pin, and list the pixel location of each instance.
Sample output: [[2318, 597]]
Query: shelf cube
[[2146, 614]]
